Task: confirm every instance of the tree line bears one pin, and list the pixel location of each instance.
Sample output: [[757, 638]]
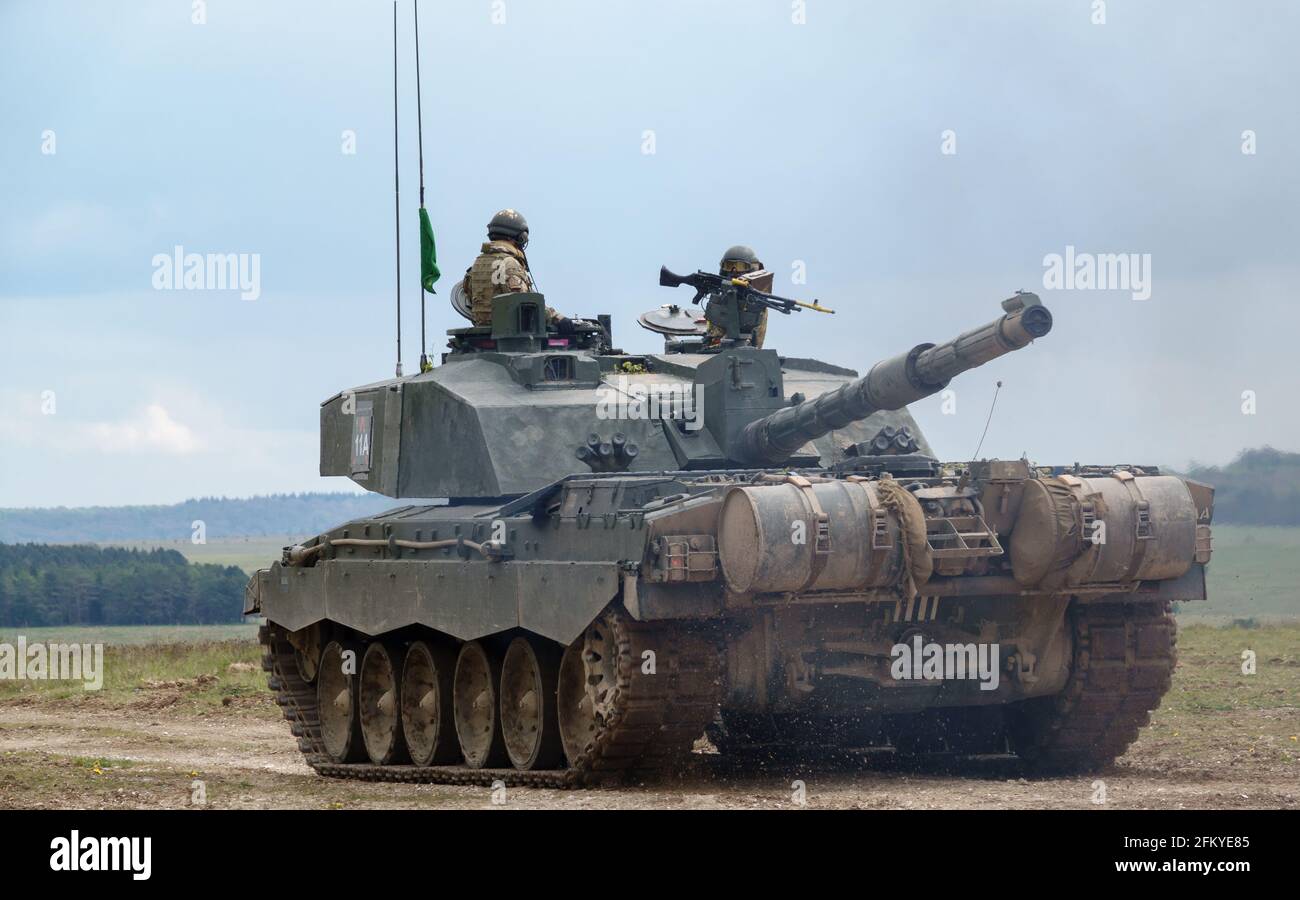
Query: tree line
[[43, 584], [1259, 487]]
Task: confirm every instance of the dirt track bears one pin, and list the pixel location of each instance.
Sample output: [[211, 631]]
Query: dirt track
[[171, 716], [67, 755]]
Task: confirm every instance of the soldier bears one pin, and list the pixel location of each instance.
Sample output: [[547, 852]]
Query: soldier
[[502, 268], [742, 261]]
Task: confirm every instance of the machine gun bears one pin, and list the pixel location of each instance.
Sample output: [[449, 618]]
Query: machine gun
[[733, 300]]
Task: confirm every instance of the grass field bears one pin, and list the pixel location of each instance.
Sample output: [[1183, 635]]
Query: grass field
[[1254, 574], [202, 673], [250, 553]]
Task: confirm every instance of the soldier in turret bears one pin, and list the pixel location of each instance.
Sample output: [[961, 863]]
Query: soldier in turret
[[741, 261], [502, 268]]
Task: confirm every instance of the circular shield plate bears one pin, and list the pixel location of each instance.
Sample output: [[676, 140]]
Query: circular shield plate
[[674, 320], [460, 300]]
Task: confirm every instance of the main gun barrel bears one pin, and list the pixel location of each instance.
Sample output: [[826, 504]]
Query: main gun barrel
[[894, 383]]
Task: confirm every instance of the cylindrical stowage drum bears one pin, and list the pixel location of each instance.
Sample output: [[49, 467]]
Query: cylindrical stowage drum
[[1144, 530], [768, 538], [1167, 545]]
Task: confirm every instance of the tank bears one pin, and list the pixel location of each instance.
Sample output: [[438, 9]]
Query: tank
[[599, 557]]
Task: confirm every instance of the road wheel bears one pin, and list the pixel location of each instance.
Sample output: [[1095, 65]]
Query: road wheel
[[379, 706], [529, 677], [475, 705], [428, 724], [307, 652], [336, 702]]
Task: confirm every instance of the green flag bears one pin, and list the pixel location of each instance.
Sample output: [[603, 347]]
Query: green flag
[[428, 253]]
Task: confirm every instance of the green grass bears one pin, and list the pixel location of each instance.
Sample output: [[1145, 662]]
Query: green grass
[[129, 669], [1210, 661], [1216, 714], [249, 553], [99, 763], [1253, 574]]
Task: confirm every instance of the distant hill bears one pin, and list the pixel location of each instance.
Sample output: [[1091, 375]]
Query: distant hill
[[277, 514], [1259, 487]]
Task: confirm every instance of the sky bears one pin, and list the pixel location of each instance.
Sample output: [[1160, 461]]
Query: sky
[[917, 162]]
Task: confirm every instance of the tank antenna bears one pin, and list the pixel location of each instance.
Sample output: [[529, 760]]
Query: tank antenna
[[426, 283], [976, 454], [397, 210]]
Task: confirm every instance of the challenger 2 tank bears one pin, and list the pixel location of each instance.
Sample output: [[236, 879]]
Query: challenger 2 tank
[[606, 555]]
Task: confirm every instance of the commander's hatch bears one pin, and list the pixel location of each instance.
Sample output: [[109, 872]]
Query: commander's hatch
[[685, 329]]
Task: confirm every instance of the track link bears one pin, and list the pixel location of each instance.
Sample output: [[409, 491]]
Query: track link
[[1124, 657], [655, 720]]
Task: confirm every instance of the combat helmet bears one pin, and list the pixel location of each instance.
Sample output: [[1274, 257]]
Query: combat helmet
[[739, 260], [510, 225]]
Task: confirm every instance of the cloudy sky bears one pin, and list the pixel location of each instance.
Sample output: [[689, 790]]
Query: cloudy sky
[[918, 160]]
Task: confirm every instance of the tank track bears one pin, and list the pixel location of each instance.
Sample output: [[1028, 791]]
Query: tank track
[[1123, 663], [1124, 657], [655, 721]]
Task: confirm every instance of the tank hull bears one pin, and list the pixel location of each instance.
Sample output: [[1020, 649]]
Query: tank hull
[[619, 616]]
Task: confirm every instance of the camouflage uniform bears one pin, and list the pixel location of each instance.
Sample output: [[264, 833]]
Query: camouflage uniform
[[761, 281], [501, 268]]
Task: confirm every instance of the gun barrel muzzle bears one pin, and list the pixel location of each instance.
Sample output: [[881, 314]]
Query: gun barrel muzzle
[[893, 383]]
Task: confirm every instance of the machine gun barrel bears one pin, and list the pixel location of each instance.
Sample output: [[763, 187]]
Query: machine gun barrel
[[707, 283], [894, 383]]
